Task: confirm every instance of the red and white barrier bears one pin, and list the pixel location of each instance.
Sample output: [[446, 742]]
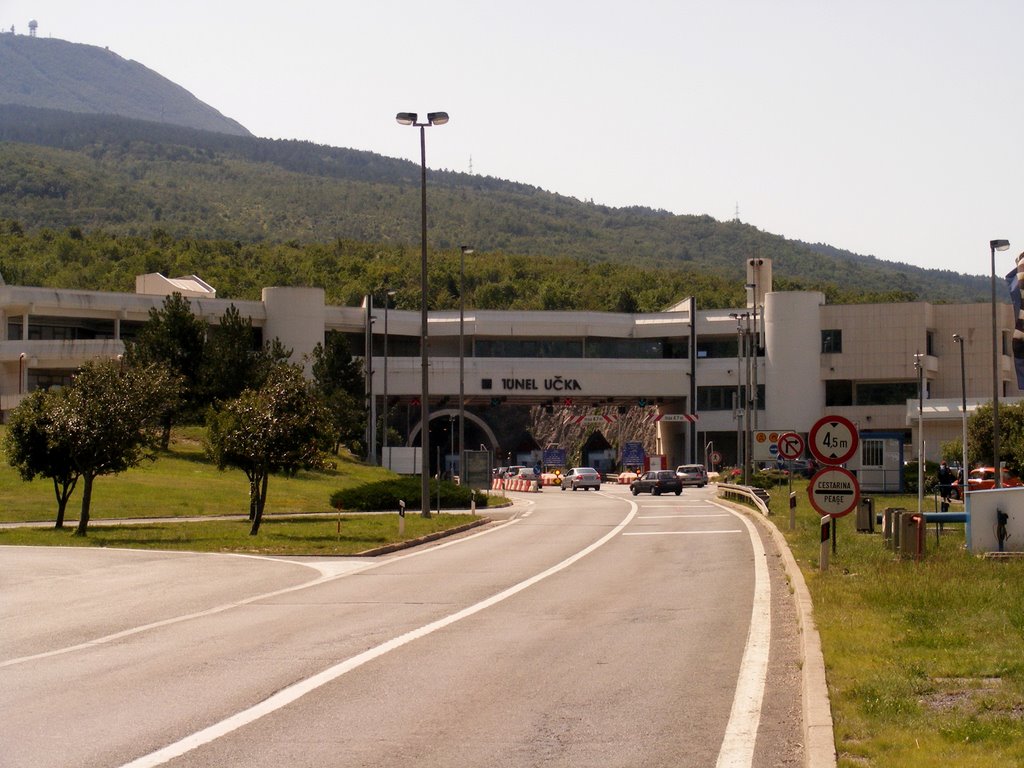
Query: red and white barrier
[[515, 484]]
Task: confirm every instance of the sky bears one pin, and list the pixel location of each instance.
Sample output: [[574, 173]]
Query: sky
[[890, 128]]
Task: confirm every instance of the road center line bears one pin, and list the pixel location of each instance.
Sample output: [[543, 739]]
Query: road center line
[[297, 690]]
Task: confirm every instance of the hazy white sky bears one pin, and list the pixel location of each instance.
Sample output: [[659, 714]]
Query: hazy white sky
[[889, 128]]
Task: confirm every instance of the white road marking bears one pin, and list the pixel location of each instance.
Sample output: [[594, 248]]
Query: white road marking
[[678, 533], [329, 572], [686, 516], [301, 688], [737, 749]]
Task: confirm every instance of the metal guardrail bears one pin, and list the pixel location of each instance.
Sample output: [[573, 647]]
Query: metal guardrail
[[759, 497]]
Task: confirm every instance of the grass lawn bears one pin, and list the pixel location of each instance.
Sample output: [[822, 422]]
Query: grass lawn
[[180, 483], [183, 483], [329, 535], [924, 660]]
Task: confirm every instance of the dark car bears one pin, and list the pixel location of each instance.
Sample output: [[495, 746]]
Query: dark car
[[657, 482], [581, 477]]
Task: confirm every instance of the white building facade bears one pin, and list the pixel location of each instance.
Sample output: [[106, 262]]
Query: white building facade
[[709, 377]]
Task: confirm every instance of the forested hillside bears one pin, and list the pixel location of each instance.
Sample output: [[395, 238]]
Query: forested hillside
[[272, 208]]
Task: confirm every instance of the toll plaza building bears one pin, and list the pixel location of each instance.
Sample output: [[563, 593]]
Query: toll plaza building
[[720, 379]]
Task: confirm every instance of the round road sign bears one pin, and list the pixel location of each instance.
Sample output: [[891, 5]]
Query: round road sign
[[715, 457], [834, 492], [833, 440], [791, 445]]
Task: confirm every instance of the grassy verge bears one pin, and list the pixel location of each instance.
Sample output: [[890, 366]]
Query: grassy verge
[[924, 660], [327, 535], [180, 483], [183, 483]]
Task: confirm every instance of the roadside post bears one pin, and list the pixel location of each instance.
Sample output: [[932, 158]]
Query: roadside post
[[401, 518]]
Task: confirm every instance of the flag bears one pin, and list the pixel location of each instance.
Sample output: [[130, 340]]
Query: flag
[[1015, 281]]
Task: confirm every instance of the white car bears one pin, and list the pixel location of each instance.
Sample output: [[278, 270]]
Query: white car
[[581, 477]]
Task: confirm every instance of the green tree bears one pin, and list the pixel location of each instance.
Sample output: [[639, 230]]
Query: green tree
[[105, 419], [230, 362], [34, 447], [281, 427], [176, 338], [1011, 436], [340, 380]]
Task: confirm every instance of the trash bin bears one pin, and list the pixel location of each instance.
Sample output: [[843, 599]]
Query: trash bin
[[866, 516]]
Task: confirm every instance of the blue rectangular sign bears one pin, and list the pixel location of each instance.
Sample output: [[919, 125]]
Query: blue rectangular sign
[[633, 454], [554, 457]]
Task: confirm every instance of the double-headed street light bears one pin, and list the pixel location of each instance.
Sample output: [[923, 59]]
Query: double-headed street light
[[463, 250], [996, 245], [433, 118]]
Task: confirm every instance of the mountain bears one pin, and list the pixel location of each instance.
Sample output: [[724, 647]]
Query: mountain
[[62, 168], [56, 74]]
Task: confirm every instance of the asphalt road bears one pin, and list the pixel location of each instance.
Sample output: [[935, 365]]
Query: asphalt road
[[588, 629]]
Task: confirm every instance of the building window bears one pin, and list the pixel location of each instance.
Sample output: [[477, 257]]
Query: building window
[[838, 392], [872, 453], [929, 343], [715, 398], [724, 398], [717, 348], [831, 342], [886, 393]]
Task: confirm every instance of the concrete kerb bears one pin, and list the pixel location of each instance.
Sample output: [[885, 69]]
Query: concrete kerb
[[819, 735]]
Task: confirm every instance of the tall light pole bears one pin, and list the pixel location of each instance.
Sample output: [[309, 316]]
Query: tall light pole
[[995, 245], [463, 250], [388, 295], [433, 118], [743, 393], [919, 366], [958, 339]]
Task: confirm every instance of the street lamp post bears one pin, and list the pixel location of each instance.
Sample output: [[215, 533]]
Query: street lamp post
[[919, 365], [743, 392], [388, 295], [995, 245], [463, 250], [433, 118], [958, 339]]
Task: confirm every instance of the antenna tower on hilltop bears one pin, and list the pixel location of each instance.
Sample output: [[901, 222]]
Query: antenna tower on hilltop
[[736, 216]]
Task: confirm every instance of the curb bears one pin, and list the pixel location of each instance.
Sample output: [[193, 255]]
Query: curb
[[397, 546], [819, 736]]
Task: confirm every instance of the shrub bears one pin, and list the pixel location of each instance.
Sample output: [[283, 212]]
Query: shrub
[[384, 495]]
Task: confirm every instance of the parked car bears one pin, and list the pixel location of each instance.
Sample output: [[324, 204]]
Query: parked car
[[581, 477], [657, 482], [983, 478], [693, 474]]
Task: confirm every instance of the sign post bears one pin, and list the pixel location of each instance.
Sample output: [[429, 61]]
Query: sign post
[[401, 518], [791, 446], [834, 490]]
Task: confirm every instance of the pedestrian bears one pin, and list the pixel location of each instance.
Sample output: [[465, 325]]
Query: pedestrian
[[945, 477]]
